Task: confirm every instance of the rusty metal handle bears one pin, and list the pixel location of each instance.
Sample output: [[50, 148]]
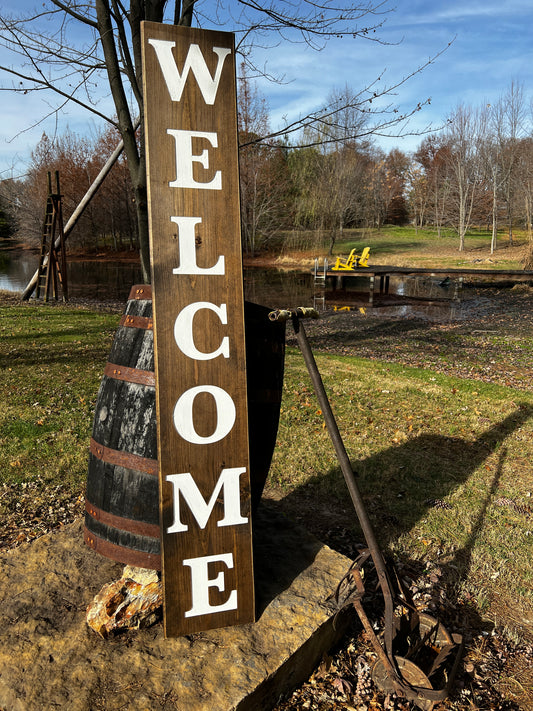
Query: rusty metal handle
[[386, 655], [349, 477], [286, 314]]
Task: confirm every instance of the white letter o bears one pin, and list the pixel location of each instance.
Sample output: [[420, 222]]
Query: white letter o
[[183, 420]]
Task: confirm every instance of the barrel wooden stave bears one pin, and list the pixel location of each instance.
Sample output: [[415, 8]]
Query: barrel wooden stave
[[122, 500], [122, 507]]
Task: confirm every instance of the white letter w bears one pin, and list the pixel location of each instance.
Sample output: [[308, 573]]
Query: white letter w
[[175, 81]]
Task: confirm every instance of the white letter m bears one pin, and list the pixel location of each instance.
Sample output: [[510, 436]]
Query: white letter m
[[228, 483]]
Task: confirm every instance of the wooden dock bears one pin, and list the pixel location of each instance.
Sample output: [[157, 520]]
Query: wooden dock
[[381, 274]]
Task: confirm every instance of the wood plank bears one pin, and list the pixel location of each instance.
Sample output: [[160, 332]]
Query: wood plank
[[193, 191], [429, 271]]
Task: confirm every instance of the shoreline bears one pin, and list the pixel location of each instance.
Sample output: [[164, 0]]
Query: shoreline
[[131, 256]]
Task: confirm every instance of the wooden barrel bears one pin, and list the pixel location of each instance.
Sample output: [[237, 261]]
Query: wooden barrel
[[122, 501]]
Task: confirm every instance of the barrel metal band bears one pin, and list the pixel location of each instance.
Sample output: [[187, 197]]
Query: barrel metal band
[[130, 375], [140, 292], [139, 528], [142, 322], [123, 459], [129, 556]]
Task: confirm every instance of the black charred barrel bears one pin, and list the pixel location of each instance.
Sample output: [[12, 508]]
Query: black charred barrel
[[122, 500], [265, 359]]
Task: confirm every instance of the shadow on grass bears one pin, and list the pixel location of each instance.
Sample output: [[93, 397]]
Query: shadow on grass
[[60, 335], [362, 332], [74, 354], [399, 484]]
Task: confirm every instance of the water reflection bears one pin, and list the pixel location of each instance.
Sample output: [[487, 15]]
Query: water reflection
[[278, 289], [432, 298], [93, 279], [16, 269], [426, 297], [102, 280]]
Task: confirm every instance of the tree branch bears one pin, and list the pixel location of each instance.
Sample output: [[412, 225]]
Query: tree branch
[[75, 15], [363, 98]]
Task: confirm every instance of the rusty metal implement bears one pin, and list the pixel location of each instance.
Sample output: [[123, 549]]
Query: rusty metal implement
[[418, 658]]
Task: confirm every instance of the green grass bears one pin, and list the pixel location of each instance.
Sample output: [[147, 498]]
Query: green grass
[[415, 436], [51, 363], [424, 247], [412, 434]]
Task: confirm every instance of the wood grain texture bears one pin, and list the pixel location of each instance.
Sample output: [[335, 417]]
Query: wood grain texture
[[218, 234], [122, 493]]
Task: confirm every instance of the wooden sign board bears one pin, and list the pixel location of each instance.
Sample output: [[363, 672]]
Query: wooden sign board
[[193, 195]]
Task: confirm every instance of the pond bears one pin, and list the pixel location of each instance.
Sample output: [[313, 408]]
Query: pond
[[92, 279], [111, 280]]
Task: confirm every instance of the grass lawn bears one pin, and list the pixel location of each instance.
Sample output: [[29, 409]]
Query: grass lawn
[[405, 246], [439, 460], [415, 436], [51, 363]]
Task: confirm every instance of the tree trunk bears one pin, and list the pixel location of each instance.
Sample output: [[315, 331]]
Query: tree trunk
[[332, 240], [141, 211], [462, 227], [529, 215], [494, 219], [134, 152]]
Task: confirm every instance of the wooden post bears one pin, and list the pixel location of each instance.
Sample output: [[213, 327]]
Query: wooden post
[[73, 219], [193, 193]]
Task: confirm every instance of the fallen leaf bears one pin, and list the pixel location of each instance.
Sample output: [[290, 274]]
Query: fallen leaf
[[343, 685]]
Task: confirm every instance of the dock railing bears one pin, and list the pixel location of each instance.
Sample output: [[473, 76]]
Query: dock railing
[[320, 273]]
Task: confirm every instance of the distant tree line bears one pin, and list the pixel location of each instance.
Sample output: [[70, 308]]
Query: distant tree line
[[477, 171], [5, 222], [302, 191], [108, 221]]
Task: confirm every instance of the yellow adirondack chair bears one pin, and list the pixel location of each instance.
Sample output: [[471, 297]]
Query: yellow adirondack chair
[[353, 261], [363, 259]]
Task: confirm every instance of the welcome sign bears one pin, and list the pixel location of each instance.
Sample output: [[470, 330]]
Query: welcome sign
[[193, 194]]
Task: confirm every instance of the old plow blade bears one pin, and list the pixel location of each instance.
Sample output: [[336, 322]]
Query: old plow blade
[[417, 658]]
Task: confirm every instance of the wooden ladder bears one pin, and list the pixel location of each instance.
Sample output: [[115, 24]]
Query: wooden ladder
[[52, 270]]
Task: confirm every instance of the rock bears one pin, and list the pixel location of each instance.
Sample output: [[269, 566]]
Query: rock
[[143, 576], [132, 602], [51, 659]]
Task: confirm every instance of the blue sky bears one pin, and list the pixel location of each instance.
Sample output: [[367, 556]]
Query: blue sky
[[492, 46]]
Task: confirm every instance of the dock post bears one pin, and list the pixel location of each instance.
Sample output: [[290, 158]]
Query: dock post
[[371, 290], [384, 281], [458, 292]]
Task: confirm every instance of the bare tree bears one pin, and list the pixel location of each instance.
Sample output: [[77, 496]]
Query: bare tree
[[6, 227], [10, 191], [264, 179], [432, 155], [79, 160], [67, 46], [330, 169], [418, 194], [463, 137], [501, 153]]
